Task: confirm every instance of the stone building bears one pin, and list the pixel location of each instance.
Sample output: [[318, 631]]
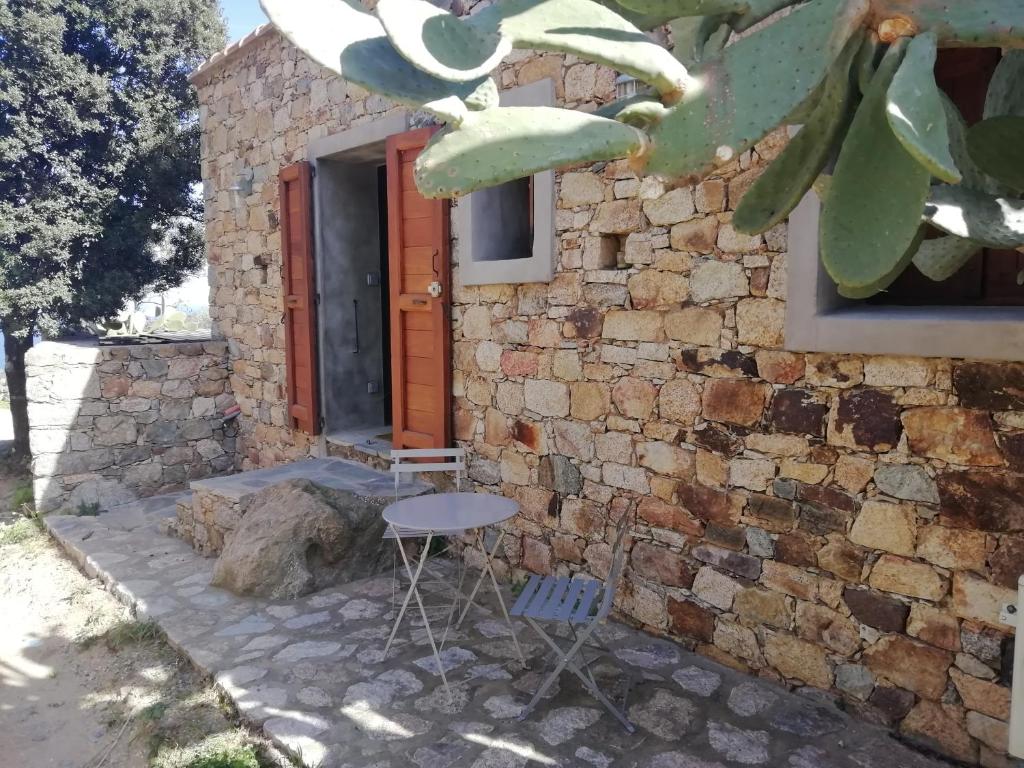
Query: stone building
[[827, 494]]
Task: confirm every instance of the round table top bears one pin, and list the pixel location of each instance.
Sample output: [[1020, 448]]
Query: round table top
[[447, 512]]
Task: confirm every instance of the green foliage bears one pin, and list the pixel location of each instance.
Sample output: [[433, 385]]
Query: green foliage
[[239, 757], [743, 94], [915, 112], [99, 149], [865, 236], [857, 75], [996, 222], [126, 633], [18, 532], [778, 190], [507, 143], [996, 146], [940, 258], [88, 509]]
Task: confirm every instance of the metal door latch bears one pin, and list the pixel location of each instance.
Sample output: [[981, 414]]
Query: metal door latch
[[434, 289]]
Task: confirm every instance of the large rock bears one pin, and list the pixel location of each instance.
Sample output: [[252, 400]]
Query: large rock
[[298, 537]]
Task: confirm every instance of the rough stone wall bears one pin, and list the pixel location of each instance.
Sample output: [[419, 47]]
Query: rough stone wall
[[847, 522], [112, 424]]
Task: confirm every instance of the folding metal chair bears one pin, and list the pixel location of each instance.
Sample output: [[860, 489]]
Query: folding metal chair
[[414, 461], [573, 601]]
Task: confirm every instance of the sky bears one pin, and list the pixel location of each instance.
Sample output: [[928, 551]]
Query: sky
[[243, 17]]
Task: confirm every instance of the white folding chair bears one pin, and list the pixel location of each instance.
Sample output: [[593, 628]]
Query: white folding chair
[[414, 461], [573, 601]]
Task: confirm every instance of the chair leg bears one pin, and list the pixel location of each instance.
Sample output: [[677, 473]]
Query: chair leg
[[568, 659]]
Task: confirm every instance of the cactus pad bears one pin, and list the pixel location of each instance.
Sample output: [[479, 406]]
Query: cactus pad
[[351, 42], [589, 30], [1006, 89], [506, 143], [981, 23], [884, 281], [759, 11], [996, 222], [996, 145], [741, 95], [939, 259], [780, 188], [878, 191], [695, 37], [915, 111], [439, 43], [686, 7]]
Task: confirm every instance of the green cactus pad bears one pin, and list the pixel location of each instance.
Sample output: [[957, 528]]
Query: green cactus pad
[[506, 143], [996, 222], [939, 259], [347, 40], [996, 145], [915, 111], [695, 37], [643, 114], [646, 21], [759, 11], [440, 43], [743, 94], [868, 56], [587, 29], [877, 194], [884, 281], [1006, 89], [686, 7], [995, 23], [973, 176], [780, 188]]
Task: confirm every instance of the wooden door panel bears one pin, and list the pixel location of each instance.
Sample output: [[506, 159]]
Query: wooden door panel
[[298, 275], [418, 255]]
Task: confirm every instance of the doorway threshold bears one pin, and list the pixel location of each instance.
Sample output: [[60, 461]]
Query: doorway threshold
[[373, 441]]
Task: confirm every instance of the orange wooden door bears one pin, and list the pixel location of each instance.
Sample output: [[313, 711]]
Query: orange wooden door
[[418, 256], [298, 273]]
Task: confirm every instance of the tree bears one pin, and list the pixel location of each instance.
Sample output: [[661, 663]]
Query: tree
[[99, 156], [857, 75]]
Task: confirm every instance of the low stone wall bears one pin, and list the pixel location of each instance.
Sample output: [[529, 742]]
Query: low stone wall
[[111, 424]]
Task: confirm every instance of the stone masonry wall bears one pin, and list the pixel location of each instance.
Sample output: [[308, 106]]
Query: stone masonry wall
[[852, 523], [111, 424]]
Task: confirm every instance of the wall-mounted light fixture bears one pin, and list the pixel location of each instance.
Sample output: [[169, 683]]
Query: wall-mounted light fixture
[[242, 187], [626, 86]]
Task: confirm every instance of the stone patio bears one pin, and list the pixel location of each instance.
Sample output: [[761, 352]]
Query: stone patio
[[310, 673]]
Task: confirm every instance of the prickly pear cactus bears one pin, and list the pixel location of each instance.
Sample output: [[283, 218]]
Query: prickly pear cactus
[[856, 75]]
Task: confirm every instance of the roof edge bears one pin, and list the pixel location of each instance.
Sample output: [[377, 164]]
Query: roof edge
[[221, 57]]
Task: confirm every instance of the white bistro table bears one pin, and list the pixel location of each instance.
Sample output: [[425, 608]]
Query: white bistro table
[[439, 514]]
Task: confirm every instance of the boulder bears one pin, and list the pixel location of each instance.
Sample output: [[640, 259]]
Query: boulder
[[298, 537]]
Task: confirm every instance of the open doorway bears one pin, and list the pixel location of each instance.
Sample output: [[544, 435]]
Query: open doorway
[[352, 238]]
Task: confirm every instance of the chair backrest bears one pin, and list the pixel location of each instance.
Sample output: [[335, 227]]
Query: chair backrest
[[413, 461], [615, 571]]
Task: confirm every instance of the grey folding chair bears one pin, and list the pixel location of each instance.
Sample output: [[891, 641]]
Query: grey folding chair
[[414, 461], [574, 601]]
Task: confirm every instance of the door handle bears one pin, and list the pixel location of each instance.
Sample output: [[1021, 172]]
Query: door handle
[[434, 289]]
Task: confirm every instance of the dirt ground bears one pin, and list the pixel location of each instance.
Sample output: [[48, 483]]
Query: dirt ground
[[83, 685]]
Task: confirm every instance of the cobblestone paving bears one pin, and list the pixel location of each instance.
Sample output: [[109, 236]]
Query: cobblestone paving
[[311, 672]]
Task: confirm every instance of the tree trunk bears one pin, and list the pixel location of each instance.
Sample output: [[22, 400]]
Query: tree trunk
[[14, 364]]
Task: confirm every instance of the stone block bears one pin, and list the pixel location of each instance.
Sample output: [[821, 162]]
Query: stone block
[[953, 548], [661, 514], [989, 731], [909, 664], [739, 641], [853, 472], [773, 514], [679, 402], [1007, 562], [906, 577], [763, 606], [710, 504], [617, 217], [797, 659], [975, 598], [665, 459], [661, 565], [627, 478], [907, 481], [734, 401], [929, 725], [548, 398], [823, 626], [867, 419], [789, 580], [634, 398], [842, 558], [589, 400], [724, 559], [576, 189], [990, 386], [633, 325], [716, 588], [982, 696], [713, 280], [695, 236], [671, 208], [955, 435], [888, 527], [988, 501], [694, 325], [560, 475], [798, 412], [760, 322], [934, 626], [689, 619]]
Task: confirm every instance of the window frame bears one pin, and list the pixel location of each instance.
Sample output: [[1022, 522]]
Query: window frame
[[540, 266], [818, 319]]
